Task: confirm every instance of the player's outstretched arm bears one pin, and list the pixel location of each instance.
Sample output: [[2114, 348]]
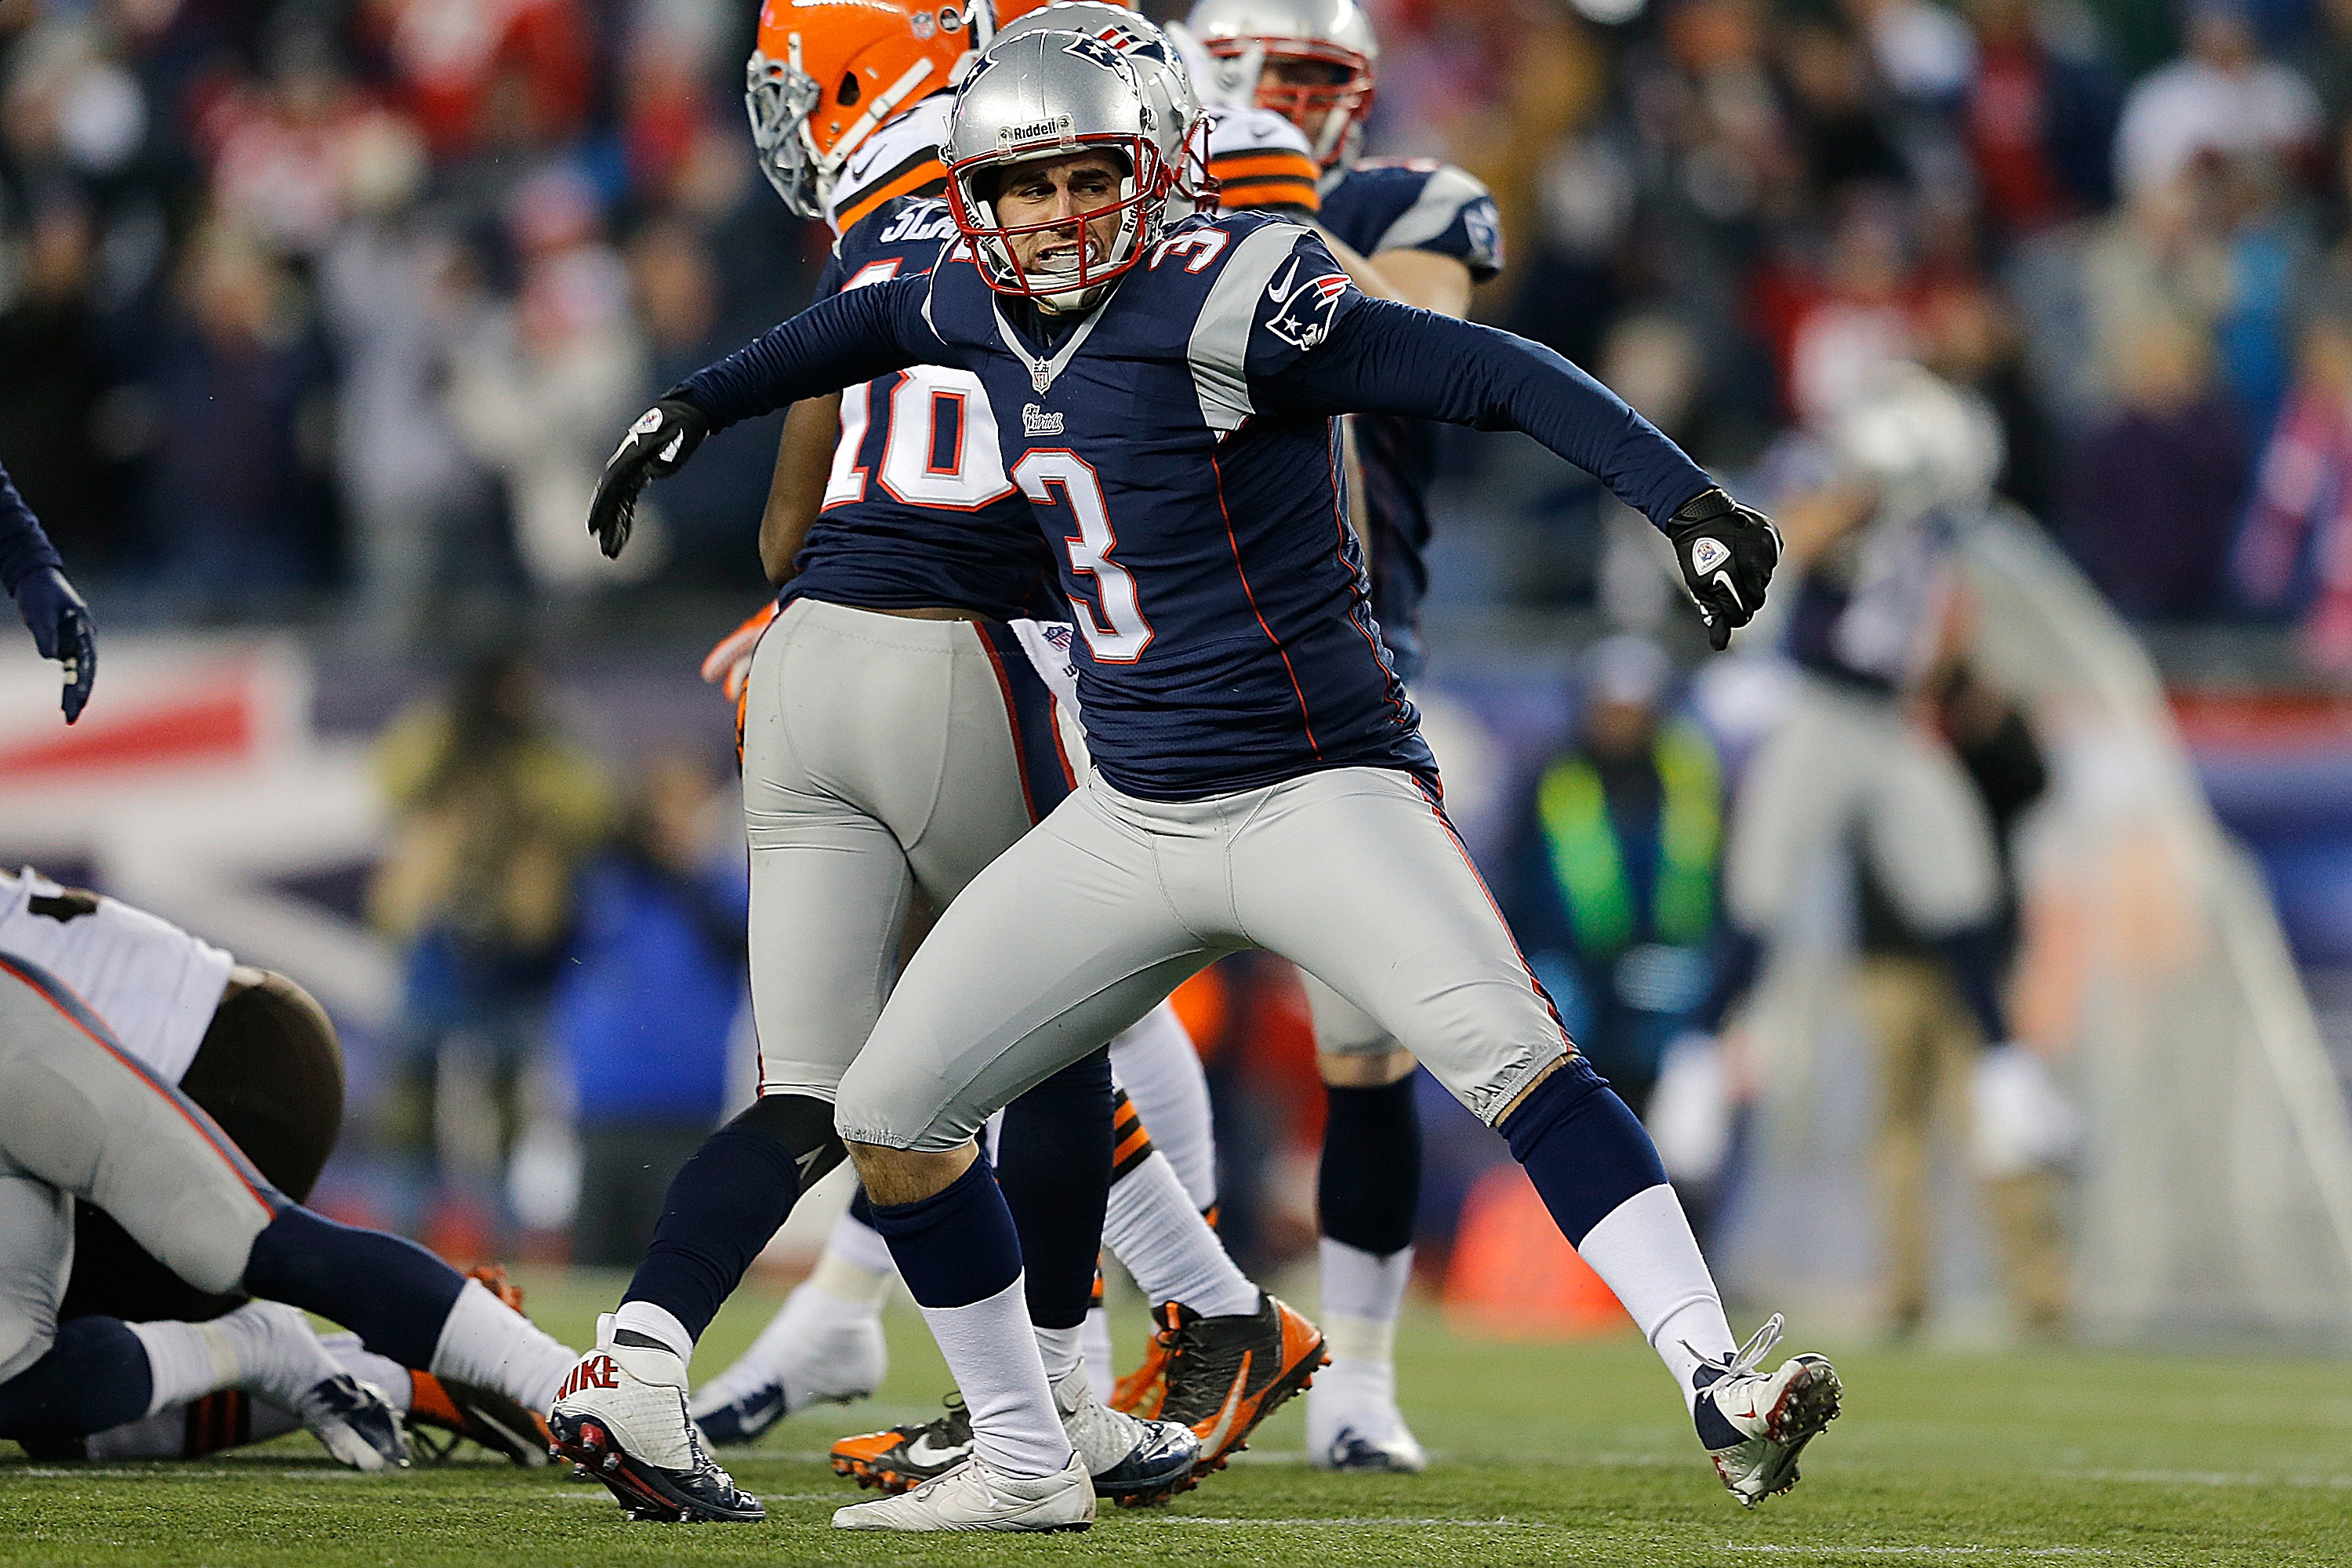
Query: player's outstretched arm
[[837, 342], [1381, 358], [35, 577]]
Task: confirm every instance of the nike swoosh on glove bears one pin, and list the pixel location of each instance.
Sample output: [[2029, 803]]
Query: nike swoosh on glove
[[62, 630], [657, 446], [1727, 553]]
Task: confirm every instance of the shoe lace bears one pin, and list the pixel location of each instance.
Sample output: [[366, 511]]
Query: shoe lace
[[1743, 1361]]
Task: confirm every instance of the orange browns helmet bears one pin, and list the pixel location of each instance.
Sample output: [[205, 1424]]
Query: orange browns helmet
[[1013, 10], [825, 74]]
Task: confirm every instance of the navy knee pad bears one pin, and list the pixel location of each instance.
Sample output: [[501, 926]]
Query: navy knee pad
[[1583, 1147], [727, 1203], [1052, 1161]]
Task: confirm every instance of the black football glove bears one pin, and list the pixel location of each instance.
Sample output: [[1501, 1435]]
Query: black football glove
[[1727, 553], [657, 446], [62, 630]]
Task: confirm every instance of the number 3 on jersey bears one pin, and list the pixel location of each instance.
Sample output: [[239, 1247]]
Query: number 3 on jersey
[[1039, 474]]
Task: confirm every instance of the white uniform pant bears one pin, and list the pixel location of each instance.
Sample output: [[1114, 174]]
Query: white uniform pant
[[1850, 770], [80, 1118], [880, 754], [1354, 875]]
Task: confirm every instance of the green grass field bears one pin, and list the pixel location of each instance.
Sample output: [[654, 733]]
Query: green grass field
[[1542, 1454]]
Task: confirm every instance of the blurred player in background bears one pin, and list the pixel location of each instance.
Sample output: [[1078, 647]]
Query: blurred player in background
[[1866, 761], [1424, 233]]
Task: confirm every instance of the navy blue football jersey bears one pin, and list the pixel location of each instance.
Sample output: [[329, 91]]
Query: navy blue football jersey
[[917, 511], [1180, 447], [1416, 203]]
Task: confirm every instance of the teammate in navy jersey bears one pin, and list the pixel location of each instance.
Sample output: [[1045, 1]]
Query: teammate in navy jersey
[[1259, 778], [32, 574], [1422, 232]]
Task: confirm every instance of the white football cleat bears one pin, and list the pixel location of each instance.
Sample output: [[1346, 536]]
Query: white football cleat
[[1353, 1422], [1754, 1422], [282, 1360], [817, 1350], [621, 1416], [1134, 1462], [973, 1497]]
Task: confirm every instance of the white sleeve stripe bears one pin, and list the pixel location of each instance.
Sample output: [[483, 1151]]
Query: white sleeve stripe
[[1219, 349], [1442, 200]]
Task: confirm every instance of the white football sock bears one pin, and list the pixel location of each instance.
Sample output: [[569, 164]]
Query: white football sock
[[656, 1322], [1100, 1359], [861, 1249], [1153, 1228], [387, 1376], [1062, 1350], [487, 1343], [1156, 1063], [1644, 1252], [263, 1347], [992, 1350], [1363, 1285], [184, 1363]]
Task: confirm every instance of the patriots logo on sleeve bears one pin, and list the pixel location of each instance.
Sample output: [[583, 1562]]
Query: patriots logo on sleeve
[[1307, 309]]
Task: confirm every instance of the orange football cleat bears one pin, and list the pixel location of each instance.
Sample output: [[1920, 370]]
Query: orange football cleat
[[1224, 1376]]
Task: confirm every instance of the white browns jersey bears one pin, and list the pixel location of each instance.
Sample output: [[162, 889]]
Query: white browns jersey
[[155, 985], [899, 159]]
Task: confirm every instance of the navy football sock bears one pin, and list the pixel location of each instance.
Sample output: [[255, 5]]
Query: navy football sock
[[392, 1293], [1583, 1147], [1974, 955], [1368, 1185], [956, 1246], [727, 1203], [861, 1208], [93, 1379], [1053, 1162]]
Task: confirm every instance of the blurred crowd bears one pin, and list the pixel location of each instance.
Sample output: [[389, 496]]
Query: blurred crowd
[[330, 306]]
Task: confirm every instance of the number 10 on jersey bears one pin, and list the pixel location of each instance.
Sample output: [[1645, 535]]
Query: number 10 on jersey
[[1040, 474]]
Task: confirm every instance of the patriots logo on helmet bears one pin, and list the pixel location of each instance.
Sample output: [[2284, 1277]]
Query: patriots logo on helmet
[[1305, 318], [1089, 48]]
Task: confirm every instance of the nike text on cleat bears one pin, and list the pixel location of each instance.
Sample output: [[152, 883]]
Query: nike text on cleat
[[621, 1415], [1227, 1375], [974, 1497], [1754, 1422], [449, 1411], [898, 1458], [1134, 1463], [354, 1424]]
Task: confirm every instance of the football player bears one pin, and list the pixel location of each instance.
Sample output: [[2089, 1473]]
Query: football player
[[1424, 232], [1258, 775], [826, 1342], [31, 573], [260, 1056], [898, 731]]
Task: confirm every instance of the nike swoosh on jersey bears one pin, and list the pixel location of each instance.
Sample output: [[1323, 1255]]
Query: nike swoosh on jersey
[[1280, 289]]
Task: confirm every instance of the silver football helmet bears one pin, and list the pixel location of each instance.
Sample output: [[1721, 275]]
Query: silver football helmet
[[1156, 63], [1047, 94], [1243, 37]]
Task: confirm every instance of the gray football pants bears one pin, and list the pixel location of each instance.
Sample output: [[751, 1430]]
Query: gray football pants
[[80, 1118], [1847, 768], [880, 755], [1075, 932]]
